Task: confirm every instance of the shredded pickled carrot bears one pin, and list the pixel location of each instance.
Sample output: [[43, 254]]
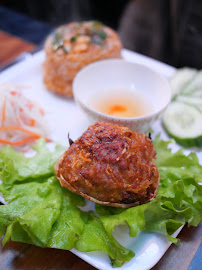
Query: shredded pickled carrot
[[4, 111], [17, 142], [14, 93], [41, 111], [19, 115], [32, 122], [21, 142], [30, 106], [25, 150], [34, 134]]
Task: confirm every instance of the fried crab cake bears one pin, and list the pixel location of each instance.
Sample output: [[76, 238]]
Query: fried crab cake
[[110, 165]]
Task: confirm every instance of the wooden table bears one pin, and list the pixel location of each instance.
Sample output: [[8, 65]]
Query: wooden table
[[11, 47], [23, 256]]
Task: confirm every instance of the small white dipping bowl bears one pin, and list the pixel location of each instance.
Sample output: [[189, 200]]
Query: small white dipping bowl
[[117, 73]]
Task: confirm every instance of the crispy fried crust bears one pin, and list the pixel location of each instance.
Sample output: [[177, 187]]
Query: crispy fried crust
[[60, 68], [110, 165]]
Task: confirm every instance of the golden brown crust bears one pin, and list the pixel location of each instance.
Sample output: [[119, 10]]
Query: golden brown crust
[[60, 68], [110, 165]]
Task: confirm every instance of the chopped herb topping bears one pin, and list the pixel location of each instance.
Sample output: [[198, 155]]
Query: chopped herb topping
[[97, 24], [74, 38], [98, 34], [58, 41], [95, 32], [102, 34]]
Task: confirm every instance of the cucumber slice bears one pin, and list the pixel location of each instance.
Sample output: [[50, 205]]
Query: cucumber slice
[[184, 123], [196, 102], [181, 78], [194, 85], [197, 92]]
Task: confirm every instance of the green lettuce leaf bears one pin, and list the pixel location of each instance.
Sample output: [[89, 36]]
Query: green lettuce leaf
[[41, 212], [15, 167]]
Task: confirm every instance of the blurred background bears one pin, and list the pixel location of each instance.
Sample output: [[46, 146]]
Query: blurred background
[[169, 30]]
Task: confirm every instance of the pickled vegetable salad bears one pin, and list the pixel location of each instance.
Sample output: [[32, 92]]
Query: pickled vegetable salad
[[41, 212], [21, 121]]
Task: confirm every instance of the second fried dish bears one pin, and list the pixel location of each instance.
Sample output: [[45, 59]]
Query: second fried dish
[[73, 46]]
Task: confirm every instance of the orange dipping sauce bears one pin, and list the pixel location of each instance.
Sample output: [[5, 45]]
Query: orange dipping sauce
[[121, 103]]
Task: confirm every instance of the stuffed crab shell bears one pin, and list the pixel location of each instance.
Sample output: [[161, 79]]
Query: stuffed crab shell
[[110, 165]]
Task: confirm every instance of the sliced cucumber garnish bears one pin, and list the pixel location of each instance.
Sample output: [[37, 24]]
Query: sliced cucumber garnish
[[194, 85], [197, 93], [196, 102], [181, 79], [183, 117], [184, 123]]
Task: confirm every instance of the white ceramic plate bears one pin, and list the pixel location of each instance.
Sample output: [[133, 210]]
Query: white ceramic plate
[[63, 116]]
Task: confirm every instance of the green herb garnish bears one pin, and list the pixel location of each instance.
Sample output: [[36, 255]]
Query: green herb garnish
[[98, 35], [58, 41], [96, 24], [102, 34], [95, 32], [73, 39]]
